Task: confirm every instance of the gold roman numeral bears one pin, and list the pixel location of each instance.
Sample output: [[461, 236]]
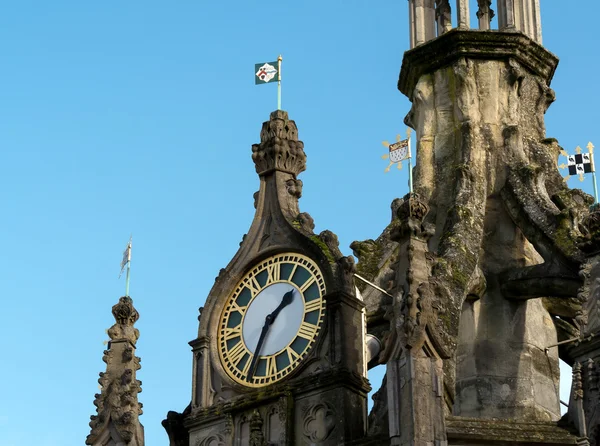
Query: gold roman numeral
[[307, 330], [236, 307], [292, 355], [237, 352], [246, 366], [308, 283], [271, 366], [312, 305], [253, 286], [273, 271], [293, 272], [235, 332]]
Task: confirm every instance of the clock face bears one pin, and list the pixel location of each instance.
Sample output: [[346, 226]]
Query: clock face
[[272, 319]]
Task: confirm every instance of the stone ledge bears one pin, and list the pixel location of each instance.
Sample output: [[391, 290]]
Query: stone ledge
[[477, 431], [491, 45]]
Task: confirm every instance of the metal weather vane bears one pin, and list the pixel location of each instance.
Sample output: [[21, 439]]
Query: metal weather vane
[[581, 164], [398, 152], [126, 262]]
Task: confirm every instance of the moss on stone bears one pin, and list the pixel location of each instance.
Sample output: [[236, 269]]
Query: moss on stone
[[369, 260], [324, 248]]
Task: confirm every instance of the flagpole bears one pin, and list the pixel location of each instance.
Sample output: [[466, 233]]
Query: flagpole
[[128, 268], [279, 59], [590, 148], [410, 181]]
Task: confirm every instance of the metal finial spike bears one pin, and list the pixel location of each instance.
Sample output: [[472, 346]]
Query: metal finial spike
[[398, 138], [385, 144], [408, 132], [564, 153], [581, 177], [399, 165], [563, 166], [578, 150], [565, 179], [387, 169], [590, 147], [384, 157]]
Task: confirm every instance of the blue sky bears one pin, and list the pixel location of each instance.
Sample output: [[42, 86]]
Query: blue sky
[[138, 117]]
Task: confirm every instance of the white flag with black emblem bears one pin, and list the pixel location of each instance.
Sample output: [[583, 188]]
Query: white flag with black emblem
[[126, 257]]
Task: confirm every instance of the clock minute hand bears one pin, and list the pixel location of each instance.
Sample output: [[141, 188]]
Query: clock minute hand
[[259, 344], [285, 301]]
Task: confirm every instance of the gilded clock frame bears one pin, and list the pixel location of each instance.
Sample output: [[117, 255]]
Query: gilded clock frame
[[232, 354]]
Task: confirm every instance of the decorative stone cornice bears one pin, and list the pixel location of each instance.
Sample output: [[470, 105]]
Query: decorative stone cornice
[[457, 44], [279, 148], [117, 404]]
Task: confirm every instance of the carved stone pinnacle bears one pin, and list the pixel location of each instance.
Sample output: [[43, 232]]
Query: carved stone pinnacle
[[412, 207], [411, 212], [279, 148], [124, 312]]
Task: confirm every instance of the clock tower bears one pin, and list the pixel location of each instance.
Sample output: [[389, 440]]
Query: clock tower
[[280, 353]]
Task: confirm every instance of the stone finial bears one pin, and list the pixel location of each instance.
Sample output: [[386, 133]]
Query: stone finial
[[117, 404], [125, 316], [279, 148], [124, 312], [411, 212]]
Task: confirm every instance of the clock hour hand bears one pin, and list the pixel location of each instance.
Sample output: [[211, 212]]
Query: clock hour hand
[[285, 301]]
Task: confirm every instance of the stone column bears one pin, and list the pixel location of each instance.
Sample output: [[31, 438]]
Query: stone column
[[485, 14], [430, 32], [462, 8], [506, 18], [411, 23], [537, 22], [443, 16], [528, 18], [424, 16], [520, 15], [202, 392]]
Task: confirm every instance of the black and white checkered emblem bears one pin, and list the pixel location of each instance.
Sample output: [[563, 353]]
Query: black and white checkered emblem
[[579, 164]]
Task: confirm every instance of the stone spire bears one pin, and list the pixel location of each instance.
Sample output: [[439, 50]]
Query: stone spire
[[117, 421]]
